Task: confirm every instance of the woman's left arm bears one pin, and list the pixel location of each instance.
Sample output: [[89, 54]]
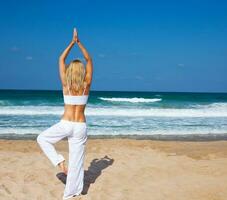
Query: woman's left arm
[[62, 65]]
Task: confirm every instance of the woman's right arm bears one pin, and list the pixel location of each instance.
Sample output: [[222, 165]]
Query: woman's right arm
[[89, 65]]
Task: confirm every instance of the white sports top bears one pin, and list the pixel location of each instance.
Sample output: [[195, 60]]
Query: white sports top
[[75, 99]]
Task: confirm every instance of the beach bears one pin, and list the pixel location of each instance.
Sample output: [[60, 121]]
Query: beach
[[119, 169], [142, 82]]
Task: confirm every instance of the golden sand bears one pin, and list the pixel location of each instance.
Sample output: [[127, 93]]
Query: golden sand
[[119, 169]]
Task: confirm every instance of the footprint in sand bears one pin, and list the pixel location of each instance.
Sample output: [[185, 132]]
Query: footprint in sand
[[2, 186]]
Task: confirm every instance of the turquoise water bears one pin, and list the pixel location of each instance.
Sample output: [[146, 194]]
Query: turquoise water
[[118, 113]]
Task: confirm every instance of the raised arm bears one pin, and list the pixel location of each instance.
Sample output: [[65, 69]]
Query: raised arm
[[62, 58], [89, 64]]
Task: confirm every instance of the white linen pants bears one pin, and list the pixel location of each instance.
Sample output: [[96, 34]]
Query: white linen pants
[[76, 132]]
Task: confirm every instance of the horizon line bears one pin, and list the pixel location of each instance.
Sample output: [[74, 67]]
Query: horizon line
[[117, 91]]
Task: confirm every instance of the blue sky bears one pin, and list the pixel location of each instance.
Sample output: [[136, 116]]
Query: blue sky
[[136, 45]]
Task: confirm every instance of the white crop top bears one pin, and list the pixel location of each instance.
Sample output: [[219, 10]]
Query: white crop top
[[75, 99]]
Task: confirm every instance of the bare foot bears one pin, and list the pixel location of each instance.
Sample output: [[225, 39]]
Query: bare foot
[[63, 167]]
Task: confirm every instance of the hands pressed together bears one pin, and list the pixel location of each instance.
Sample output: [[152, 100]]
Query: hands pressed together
[[75, 36]]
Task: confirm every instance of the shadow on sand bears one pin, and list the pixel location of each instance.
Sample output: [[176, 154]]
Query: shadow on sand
[[93, 172]]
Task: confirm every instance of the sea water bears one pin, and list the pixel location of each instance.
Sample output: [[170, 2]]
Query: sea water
[[111, 113]]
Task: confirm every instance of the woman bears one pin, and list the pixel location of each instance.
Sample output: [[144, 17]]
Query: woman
[[76, 83]]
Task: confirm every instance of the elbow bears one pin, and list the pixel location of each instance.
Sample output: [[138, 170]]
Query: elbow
[[87, 56], [61, 58], [89, 59], [61, 61]]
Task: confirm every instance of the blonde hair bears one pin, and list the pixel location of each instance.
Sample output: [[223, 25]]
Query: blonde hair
[[75, 74]]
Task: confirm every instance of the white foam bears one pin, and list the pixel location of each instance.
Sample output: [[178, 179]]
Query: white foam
[[21, 131], [157, 112], [157, 132], [131, 100], [31, 110], [213, 106], [212, 110]]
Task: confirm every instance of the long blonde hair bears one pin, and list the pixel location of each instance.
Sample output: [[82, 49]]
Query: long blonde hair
[[75, 74]]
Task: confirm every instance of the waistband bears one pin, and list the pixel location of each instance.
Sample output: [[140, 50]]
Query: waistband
[[71, 122]]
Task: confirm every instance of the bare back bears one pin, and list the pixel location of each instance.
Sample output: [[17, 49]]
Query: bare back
[[75, 112]]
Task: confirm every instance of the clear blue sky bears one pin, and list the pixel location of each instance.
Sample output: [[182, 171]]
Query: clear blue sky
[[135, 45]]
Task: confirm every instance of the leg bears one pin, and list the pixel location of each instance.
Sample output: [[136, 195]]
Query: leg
[[49, 137], [63, 167], [75, 177]]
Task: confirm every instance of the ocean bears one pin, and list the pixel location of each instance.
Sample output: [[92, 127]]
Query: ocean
[[158, 115]]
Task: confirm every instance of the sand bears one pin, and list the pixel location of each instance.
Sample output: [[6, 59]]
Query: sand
[[119, 169]]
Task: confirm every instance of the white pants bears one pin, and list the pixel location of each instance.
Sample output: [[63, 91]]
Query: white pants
[[76, 132]]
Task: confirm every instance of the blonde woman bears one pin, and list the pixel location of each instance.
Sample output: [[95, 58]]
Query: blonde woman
[[76, 83]]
